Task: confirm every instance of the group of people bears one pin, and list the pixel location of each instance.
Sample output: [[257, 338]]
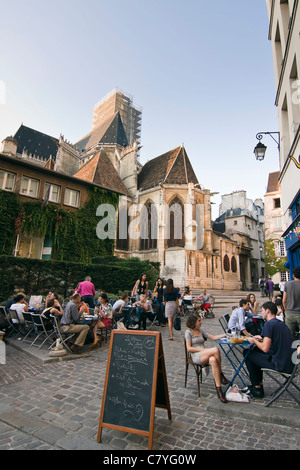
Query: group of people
[[273, 348], [272, 338]]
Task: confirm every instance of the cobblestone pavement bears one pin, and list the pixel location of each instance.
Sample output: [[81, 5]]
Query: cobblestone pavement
[[57, 406]]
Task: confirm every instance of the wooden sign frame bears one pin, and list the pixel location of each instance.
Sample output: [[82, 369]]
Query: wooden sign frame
[[159, 372]]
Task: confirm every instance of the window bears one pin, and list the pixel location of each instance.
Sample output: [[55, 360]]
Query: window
[[52, 192], [235, 222], [29, 187], [277, 203], [7, 180], [71, 197], [149, 227], [233, 264], [29, 247], [176, 223], [277, 223], [226, 263], [280, 249]]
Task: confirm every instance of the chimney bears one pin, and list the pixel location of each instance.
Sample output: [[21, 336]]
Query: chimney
[[9, 146]]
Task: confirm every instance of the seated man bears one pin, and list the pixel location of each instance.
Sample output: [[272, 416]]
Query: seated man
[[117, 308], [20, 305], [238, 319], [273, 349], [68, 323]]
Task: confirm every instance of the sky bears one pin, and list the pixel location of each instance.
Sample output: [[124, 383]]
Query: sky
[[202, 71]]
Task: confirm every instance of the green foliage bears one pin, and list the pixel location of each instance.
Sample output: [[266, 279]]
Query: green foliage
[[10, 207], [73, 232], [273, 264], [38, 277]]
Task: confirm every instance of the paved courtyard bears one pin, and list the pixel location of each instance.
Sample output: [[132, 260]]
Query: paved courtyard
[[57, 406]]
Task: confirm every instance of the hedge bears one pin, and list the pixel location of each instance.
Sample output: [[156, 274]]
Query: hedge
[[38, 277]]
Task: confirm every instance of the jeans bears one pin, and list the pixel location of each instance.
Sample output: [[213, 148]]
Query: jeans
[[293, 322], [89, 300], [255, 361]]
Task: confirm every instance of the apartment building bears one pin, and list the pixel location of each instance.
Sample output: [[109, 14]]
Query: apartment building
[[284, 30]]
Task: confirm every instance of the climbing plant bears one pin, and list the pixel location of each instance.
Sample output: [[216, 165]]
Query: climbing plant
[[73, 232]]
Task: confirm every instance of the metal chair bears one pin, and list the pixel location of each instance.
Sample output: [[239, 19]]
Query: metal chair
[[15, 322], [224, 322], [188, 306], [3, 316], [29, 322], [197, 368], [64, 337], [288, 380], [41, 330], [154, 316]]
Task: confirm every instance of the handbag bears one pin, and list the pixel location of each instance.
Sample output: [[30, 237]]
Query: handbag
[[177, 323], [234, 394]]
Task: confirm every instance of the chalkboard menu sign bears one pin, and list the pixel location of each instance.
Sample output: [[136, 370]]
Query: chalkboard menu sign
[[135, 383]]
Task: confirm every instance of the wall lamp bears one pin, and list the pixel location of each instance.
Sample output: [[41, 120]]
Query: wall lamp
[[260, 149]]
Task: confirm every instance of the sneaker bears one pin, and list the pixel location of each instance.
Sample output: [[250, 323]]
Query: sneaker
[[256, 392]]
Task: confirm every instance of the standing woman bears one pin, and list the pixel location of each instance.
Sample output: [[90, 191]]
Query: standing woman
[[195, 338], [159, 294], [171, 304], [140, 288]]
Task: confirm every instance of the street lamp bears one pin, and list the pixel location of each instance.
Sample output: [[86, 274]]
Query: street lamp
[[260, 149]]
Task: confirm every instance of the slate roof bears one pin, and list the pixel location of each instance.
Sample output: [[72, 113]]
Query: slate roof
[[100, 170], [110, 132], [173, 167], [36, 143]]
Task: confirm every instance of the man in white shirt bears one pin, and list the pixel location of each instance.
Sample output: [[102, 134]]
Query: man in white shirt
[[20, 305], [238, 317]]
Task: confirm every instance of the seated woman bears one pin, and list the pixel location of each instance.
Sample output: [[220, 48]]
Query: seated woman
[[104, 311], [53, 307], [144, 310], [253, 304], [195, 338]]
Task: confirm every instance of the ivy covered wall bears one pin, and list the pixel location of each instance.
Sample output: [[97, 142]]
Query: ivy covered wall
[[73, 232]]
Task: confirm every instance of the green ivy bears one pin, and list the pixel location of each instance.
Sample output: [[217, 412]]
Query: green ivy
[[73, 232]]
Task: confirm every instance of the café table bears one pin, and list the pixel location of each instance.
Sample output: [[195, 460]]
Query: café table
[[234, 353]]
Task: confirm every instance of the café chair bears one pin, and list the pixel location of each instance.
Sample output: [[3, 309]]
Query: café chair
[[224, 322], [41, 330], [288, 380], [14, 321], [197, 368], [188, 306], [64, 337], [29, 322], [4, 315]]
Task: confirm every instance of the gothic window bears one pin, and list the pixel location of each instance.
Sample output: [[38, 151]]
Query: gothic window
[[233, 265], [122, 231], [176, 223], [226, 263], [149, 227]]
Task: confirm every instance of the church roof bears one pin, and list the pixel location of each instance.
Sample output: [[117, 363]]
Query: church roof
[[36, 143], [100, 170], [173, 167], [110, 132]]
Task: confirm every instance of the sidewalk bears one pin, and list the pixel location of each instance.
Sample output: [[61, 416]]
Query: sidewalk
[[56, 405]]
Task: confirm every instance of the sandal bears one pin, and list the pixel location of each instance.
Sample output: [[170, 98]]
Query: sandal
[[94, 344], [171, 338]]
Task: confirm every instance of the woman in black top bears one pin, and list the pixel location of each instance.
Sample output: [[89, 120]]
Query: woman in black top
[[159, 294], [141, 287], [171, 304]]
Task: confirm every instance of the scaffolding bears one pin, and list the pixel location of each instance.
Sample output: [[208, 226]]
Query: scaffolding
[[118, 101]]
